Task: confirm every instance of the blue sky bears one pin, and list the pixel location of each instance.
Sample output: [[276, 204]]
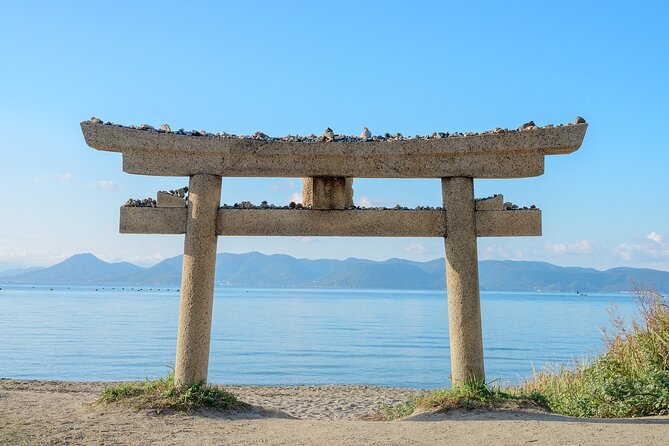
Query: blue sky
[[299, 67]]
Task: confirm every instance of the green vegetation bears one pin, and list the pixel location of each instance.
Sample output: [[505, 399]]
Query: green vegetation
[[162, 394], [470, 395], [630, 379]]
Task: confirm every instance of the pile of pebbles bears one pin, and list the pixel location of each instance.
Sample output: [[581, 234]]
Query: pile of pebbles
[[329, 135], [181, 193], [140, 203], [298, 206], [486, 198], [151, 203], [508, 206]]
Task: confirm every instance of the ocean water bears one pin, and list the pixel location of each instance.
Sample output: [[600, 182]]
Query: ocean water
[[260, 336]]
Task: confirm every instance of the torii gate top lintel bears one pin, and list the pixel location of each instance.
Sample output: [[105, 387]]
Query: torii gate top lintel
[[328, 165], [495, 154]]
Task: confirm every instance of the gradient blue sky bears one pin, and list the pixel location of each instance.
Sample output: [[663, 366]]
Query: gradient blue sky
[[298, 67]]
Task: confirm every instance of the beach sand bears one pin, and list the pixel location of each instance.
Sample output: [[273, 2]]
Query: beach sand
[[65, 413]]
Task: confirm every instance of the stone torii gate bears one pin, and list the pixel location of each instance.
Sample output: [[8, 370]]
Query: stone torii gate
[[328, 164]]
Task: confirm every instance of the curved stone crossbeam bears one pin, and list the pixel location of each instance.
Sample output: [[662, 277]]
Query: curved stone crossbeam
[[504, 155]]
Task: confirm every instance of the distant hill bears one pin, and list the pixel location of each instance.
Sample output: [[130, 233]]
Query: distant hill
[[78, 269], [281, 271], [6, 266], [17, 271]]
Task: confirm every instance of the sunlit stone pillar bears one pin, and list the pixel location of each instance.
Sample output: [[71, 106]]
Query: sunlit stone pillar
[[197, 281], [462, 276]]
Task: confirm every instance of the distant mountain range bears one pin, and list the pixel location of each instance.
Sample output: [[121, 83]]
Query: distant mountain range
[[282, 271]]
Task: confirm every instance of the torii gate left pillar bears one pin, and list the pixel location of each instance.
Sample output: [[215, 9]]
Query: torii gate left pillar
[[462, 277], [197, 280]]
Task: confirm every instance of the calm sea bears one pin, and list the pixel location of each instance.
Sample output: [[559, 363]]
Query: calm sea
[[393, 338]]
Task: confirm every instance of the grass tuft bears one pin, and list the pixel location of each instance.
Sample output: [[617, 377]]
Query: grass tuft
[[471, 395], [161, 394], [630, 379]]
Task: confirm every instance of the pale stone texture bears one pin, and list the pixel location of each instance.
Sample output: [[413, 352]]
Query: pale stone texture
[[504, 155], [525, 222], [495, 203], [165, 200], [349, 223], [327, 192], [462, 277], [136, 220], [197, 281]]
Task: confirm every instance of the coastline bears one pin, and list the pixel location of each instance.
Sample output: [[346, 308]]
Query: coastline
[[64, 412]]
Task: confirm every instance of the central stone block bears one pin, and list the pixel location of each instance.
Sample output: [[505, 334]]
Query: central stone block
[[327, 192]]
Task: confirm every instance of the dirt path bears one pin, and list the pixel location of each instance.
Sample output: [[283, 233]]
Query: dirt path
[[63, 413]]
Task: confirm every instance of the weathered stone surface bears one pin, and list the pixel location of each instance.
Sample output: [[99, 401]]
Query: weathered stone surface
[[197, 281], [327, 192], [349, 223], [504, 155], [165, 200], [322, 223], [462, 278], [518, 223], [494, 203], [135, 220]]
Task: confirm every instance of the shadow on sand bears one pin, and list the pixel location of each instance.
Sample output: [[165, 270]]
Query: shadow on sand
[[515, 415]]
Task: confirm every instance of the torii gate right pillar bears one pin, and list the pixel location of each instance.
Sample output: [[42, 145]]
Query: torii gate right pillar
[[462, 276]]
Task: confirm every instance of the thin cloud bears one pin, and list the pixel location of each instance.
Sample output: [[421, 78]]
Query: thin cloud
[[67, 176], [416, 249], [290, 184], [367, 202], [107, 185], [654, 236], [582, 247], [501, 252], [652, 249]]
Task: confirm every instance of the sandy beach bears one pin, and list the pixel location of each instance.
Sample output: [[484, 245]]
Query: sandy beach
[[65, 413]]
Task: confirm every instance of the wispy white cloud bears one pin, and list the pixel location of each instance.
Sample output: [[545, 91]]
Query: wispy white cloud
[[503, 252], [107, 185], [289, 184], [367, 202], [652, 250], [416, 249], [654, 236], [144, 260], [43, 257], [582, 247], [66, 176]]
